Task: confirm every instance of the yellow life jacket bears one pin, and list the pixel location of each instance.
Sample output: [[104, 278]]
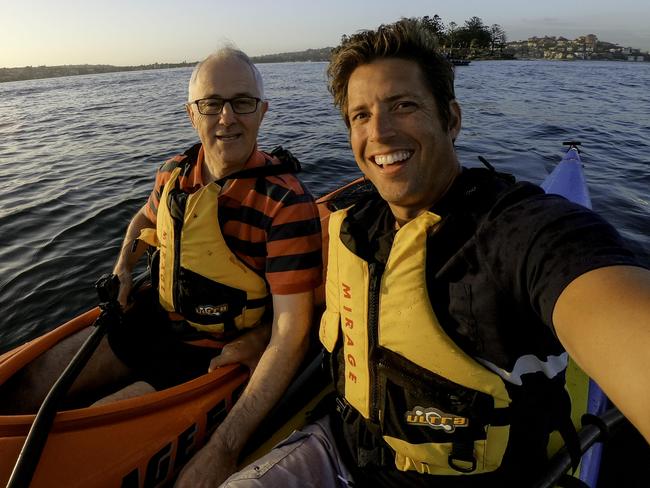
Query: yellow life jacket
[[199, 276], [439, 410]]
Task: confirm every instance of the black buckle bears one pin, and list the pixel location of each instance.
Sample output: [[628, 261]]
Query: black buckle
[[344, 409], [462, 452]]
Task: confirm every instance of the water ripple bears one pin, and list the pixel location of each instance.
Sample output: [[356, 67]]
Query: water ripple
[[78, 155]]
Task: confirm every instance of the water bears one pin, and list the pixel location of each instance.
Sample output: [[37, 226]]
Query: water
[[78, 156]]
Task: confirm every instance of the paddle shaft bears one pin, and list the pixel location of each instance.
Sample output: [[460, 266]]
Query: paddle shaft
[[30, 454], [588, 436]]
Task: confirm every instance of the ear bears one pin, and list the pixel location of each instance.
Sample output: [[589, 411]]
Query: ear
[[190, 114], [455, 118], [265, 107]]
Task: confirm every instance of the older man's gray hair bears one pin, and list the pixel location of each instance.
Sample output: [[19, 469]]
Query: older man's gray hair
[[227, 52]]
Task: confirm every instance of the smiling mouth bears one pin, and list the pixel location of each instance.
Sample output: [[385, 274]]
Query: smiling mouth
[[391, 158], [227, 137]]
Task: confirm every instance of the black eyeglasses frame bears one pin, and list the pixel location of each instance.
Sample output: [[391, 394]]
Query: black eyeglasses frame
[[224, 101]]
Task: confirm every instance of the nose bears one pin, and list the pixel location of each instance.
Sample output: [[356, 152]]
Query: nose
[[381, 126], [227, 115]]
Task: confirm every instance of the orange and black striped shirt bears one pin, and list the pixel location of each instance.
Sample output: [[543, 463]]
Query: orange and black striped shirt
[[271, 223]]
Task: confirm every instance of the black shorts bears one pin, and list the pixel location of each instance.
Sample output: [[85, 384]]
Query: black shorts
[[152, 345]]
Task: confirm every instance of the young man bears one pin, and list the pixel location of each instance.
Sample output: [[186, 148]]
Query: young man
[[452, 295], [234, 247]]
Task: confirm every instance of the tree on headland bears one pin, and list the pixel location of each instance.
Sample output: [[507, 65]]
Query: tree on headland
[[473, 39], [450, 37], [498, 39], [474, 34], [435, 25]]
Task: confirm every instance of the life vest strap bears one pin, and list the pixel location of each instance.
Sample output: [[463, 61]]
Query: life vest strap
[[500, 417], [564, 425], [572, 442], [256, 302], [381, 455], [288, 165]]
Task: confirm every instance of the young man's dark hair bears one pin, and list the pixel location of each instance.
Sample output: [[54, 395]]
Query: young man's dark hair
[[406, 39]]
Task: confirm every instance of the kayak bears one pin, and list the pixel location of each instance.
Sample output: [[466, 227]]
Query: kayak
[[136, 442], [568, 180], [145, 441]]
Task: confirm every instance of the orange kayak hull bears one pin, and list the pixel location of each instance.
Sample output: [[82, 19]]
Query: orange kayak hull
[[137, 442]]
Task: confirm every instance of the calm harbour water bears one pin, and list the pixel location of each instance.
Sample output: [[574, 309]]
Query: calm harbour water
[[78, 156]]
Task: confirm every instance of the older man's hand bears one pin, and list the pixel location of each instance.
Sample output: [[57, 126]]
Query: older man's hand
[[247, 349]]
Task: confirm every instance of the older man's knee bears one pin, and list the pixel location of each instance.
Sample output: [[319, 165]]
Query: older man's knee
[[26, 390]]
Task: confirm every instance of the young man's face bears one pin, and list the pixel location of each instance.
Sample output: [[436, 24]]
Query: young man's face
[[397, 136], [228, 138]]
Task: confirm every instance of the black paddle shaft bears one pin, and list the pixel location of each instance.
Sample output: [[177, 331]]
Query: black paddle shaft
[[23, 472], [595, 429]]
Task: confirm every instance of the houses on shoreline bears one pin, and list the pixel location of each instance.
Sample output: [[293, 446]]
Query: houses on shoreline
[[583, 47]]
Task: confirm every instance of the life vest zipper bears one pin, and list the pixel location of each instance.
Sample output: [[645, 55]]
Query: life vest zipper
[[375, 271], [178, 218]]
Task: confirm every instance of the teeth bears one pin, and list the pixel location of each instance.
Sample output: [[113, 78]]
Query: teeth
[[385, 159]]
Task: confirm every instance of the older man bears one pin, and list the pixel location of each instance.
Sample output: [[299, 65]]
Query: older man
[[269, 223], [239, 240], [452, 295]]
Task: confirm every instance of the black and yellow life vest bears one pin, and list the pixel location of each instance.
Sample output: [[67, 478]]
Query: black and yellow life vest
[[438, 409], [199, 276], [422, 386]]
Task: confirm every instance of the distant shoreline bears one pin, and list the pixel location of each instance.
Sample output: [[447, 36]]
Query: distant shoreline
[[42, 72], [310, 55]]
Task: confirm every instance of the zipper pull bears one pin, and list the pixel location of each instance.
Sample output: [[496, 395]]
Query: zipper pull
[[376, 270]]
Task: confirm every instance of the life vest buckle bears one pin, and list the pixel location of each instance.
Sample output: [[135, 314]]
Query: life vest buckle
[[461, 458], [344, 409]]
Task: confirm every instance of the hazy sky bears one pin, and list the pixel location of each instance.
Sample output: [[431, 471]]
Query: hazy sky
[[131, 32]]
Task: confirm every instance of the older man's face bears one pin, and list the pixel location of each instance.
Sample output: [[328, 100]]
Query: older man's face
[[228, 138]]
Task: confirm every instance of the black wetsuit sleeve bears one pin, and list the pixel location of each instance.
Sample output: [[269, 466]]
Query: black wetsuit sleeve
[[540, 244]]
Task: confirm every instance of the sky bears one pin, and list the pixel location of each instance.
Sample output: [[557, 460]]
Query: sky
[[133, 32]]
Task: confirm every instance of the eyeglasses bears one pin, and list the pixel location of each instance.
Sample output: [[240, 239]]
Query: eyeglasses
[[239, 105]]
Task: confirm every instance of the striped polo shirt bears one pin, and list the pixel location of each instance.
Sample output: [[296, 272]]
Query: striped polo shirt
[[271, 223]]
